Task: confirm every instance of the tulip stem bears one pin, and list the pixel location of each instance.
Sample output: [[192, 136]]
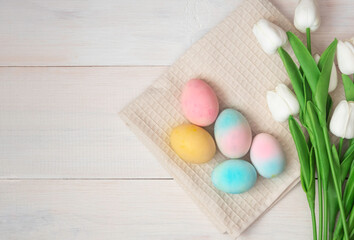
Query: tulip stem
[[313, 217], [308, 35], [325, 208], [336, 183], [320, 204]]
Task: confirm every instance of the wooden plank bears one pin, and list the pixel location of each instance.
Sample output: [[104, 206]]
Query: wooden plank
[[106, 32], [103, 32], [129, 210], [63, 122]]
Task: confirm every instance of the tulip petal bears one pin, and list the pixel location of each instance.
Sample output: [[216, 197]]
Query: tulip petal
[[339, 121], [269, 35], [307, 16], [289, 97], [350, 126], [278, 107], [333, 81], [345, 57]]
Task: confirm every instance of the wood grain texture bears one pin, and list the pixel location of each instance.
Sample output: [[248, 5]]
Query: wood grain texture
[[63, 122], [85, 210], [110, 32], [105, 32]]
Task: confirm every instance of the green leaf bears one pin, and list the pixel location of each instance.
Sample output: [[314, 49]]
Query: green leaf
[[338, 233], [302, 151], [328, 107], [306, 61], [347, 162], [351, 224], [348, 197], [348, 87], [294, 75], [308, 97], [312, 187], [307, 91], [313, 123], [325, 54], [334, 201], [333, 206], [321, 93], [336, 163]]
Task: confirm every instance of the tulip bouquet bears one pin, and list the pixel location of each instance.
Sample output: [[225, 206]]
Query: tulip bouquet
[[312, 81]]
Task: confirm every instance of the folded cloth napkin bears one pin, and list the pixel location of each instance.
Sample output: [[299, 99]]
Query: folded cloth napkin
[[231, 61]]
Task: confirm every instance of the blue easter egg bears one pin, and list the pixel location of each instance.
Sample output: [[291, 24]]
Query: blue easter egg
[[234, 176]]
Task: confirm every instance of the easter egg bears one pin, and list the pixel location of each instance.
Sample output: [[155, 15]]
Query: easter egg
[[234, 176], [199, 103], [192, 143], [267, 155], [233, 134]]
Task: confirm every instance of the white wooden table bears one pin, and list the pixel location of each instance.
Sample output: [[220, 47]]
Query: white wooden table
[[69, 168]]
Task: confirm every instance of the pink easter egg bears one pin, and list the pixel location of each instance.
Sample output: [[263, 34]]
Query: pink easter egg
[[199, 103], [267, 155]]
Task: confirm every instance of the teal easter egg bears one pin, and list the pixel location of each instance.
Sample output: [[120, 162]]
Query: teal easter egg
[[234, 176], [233, 134], [267, 155]]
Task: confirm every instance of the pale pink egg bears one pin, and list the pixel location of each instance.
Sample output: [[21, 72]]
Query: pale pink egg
[[267, 155], [199, 103]]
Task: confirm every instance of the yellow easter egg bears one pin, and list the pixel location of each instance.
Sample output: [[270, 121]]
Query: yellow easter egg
[[192, 143]]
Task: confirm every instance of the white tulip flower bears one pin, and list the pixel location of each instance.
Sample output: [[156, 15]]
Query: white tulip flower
[[269, 35], [342, 122], [345, 57], [307, 15], [282, 103], [333, 81]]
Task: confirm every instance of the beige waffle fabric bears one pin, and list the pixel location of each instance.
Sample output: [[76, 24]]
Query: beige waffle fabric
[[231, 61]]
